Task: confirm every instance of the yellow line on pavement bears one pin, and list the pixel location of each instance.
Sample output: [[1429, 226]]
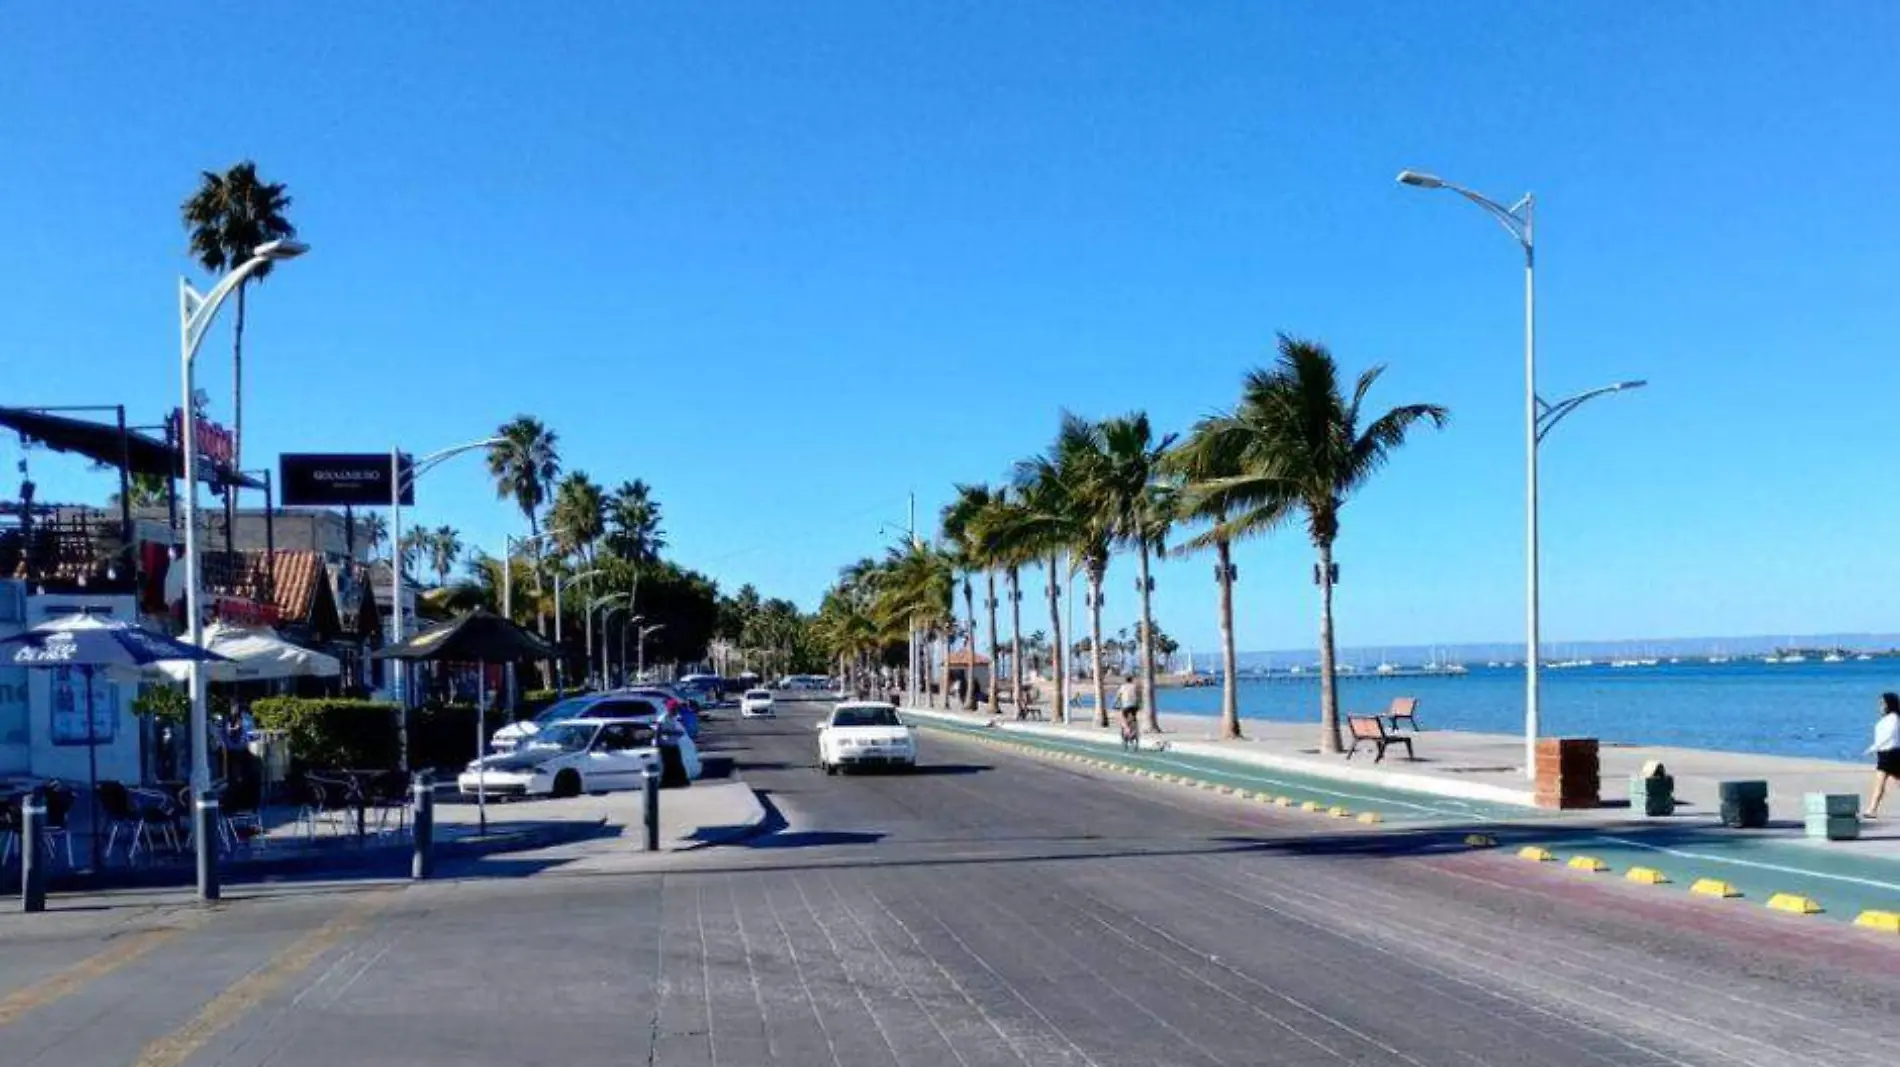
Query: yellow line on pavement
[[74, 978], [250, 990]]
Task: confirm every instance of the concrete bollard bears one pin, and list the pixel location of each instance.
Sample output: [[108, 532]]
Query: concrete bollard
[[205, 813], [651, 781], [422, 818], [32, 864]]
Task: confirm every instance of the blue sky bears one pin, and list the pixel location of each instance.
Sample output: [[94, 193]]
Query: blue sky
[[789, 262]]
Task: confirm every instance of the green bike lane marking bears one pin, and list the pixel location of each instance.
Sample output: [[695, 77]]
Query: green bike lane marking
[[1397, 804], [1844, 884]]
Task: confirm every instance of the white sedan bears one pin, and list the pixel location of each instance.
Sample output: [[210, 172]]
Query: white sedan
[[865, 734], [756, 703], [581, 756]]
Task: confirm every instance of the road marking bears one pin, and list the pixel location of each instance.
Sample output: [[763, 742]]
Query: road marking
[[1757, 865], [74, 978], [250, 990]]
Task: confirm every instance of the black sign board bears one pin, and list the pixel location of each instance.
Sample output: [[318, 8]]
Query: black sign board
[[331, 479]]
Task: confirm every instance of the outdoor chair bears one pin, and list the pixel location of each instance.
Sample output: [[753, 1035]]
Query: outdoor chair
[[388, 797], [54, 833], [322, 802], [9, 830], [240, 814], [135, 815]]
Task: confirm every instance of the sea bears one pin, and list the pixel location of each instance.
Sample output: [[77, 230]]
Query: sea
[[1812, 709]]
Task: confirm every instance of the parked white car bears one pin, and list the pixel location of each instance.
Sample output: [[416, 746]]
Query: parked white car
[[577, 756], [865, 734], [756, 704]]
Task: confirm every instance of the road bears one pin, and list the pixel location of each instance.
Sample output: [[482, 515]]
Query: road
[[989, 909]]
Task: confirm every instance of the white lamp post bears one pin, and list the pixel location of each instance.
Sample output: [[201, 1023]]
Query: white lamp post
[[560, 660], [641, 668], [195, 313], [1517, 220], [399, 681], [596, 605]]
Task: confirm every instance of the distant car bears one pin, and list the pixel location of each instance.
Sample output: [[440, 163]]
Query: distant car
[[580, 756], [588, 705], [865, 734], [756, 704]]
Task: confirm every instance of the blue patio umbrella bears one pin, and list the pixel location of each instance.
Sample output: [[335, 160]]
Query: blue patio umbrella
[[88, 644]]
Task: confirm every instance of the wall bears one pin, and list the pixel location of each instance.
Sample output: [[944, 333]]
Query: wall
[[57, 702], [16, 755]]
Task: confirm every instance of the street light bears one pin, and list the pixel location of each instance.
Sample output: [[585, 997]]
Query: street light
[[508, 541], [591, 608], [1549, 415], [397, 483], [560, 660], [641, 668], [195, 313], [633, 622], [1518, 220]]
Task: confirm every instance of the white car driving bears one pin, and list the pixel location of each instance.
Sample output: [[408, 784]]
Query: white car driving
[[580, 756], [865, 734], [756, 704]]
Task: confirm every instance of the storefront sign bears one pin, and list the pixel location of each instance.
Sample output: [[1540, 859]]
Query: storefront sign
[[215, 443], [70, 725], [332, 479]]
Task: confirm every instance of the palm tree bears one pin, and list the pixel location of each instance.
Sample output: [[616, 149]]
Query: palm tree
[[1207, 465], [578, 517], [415, 544], [1139, 513], [633, 523], [445, 546], [375, 531], [960, 529], [1045, 524], [1299, 435], [228, 216], [525, 463], [915, 587], [999, 511], [1083, 462]]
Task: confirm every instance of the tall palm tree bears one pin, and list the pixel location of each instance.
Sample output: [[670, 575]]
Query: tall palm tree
[[1207, 465], [1082, 460], [1139, 513], [1300, 434], [915, 587], [960, 518], [228, 216], [415, 545], [578, 517], [1046, 524], [997, 514], [633, 527], [524, 464], [445, 547]]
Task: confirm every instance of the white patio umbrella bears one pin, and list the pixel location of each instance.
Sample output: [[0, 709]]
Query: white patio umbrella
[[256, 654]]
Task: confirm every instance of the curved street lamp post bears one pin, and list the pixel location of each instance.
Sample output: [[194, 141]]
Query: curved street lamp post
[[195, 314]]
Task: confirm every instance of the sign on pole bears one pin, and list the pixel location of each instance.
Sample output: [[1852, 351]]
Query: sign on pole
[[340, 479]]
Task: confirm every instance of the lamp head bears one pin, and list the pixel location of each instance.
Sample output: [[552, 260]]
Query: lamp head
[[281, 249], [1637, 384], [1420, 179]]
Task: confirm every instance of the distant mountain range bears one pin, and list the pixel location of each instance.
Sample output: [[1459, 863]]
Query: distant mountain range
[[1416, 655]]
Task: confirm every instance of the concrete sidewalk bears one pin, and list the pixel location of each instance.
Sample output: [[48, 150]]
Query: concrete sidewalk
[[705, 813]]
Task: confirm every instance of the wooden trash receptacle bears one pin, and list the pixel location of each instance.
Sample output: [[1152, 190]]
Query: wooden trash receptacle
[[1568, 773]]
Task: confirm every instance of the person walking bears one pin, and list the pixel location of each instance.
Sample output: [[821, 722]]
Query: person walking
[[1128, 700], [1885, 750]]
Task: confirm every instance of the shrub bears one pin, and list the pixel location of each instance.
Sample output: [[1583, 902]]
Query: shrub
[[332, 733]]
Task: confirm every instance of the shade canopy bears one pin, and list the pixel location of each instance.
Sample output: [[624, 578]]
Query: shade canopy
[[257, 654], [86, 641], [104, 442], [481, 636]]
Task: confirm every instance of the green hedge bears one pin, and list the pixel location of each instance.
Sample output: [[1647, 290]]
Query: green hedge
[[332, 733]]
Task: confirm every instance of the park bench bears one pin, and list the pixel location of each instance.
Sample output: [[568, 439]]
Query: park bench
[[1403, 710], [1370, 730]]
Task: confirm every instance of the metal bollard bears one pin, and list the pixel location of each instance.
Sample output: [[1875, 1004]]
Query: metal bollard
[[32, 867], [651, 781], [205, 825], [422, 818]]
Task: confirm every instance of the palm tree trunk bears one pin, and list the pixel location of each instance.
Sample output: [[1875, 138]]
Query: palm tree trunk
[[1229, 686], [1328, 685], [945, 668], [1153, 725], [996, 650], [1095, 645], [1016, 639], [1060, 712], [969, 643]]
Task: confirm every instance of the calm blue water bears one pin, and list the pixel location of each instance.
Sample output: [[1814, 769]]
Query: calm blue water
[[1822, 710]]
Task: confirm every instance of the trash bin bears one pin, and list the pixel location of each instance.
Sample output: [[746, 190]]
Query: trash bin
[[1745, 804], [1653, 790]]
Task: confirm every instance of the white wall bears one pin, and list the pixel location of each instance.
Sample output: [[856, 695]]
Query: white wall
[[16, 755], [52, 690]]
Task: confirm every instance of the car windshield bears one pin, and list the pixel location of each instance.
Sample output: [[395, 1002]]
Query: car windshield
[[865, 717], [759, 694], [562, 711], [566, 736]]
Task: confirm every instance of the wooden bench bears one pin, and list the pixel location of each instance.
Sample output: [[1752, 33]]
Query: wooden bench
[[1370, 729], [1403, 710]]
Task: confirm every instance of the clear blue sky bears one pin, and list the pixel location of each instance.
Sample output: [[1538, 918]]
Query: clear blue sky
[[787, 262]]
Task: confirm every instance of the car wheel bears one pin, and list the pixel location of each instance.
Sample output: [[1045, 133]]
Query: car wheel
[[567, 784], [830, 768]]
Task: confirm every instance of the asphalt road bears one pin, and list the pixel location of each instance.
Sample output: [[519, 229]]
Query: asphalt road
[[989, 909]]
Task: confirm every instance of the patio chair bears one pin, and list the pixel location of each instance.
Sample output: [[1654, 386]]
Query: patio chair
[[9, 830], [322, 802], [240, 815], [388, 798], [137, 816], [54, 834]]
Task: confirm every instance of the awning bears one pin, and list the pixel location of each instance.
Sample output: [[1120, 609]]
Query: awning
[[257, 655], [101, 443]]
